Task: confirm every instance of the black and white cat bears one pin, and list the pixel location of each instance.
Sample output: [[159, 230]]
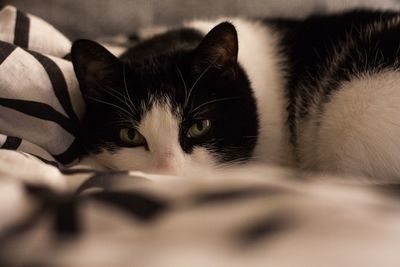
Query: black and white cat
[[321, 93]]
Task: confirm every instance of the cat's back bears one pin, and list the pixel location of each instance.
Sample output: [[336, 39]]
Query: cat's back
[[343, 92]]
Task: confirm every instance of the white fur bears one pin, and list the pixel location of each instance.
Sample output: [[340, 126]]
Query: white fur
[[160, 128], [261, 61], [359, 131]]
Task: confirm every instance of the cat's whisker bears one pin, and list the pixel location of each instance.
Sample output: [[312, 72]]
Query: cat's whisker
[[123, 124], [123, 100], [103, 87], [120, 124], [249, 137], [125, 85], [232, 163], [198, 79], [213, 101], [183, 81], [110, 104], [115, 91], [124, 118]]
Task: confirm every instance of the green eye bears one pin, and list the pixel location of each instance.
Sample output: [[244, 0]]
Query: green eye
[[131, 137], [199, 129]]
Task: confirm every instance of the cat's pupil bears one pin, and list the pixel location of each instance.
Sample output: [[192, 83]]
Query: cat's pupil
[[131, 134], [200, 125]]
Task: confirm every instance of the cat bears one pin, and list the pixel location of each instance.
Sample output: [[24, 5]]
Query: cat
[[319, 93]]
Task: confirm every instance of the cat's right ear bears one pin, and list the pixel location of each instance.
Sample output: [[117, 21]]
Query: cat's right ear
[[219, 48], [95, 67]]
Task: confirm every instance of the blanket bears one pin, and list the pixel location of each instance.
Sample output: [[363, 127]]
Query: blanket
[[40, 102], [55, 215]]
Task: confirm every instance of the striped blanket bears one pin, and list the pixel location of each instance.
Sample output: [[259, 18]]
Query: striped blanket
[[52, 215], [40, 102]]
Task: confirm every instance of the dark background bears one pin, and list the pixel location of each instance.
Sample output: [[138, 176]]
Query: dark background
[[96, 18]]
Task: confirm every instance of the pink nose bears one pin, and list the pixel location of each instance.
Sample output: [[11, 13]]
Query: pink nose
[[169, 165]]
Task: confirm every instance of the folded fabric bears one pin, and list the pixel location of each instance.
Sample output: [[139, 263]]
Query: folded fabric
[[40, 101]]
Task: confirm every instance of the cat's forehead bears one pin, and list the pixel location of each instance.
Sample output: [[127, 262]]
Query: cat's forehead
[[168, 67], [160, 118], [157, 106], [157, 80]]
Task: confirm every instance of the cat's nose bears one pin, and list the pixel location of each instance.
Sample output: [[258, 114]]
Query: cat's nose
[[169, 163]]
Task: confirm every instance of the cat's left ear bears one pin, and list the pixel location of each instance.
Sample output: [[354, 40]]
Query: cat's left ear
[[94, 67], [218, 49]]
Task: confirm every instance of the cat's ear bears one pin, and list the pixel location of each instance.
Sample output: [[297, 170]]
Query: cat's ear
[[95, 67], [218, 49]]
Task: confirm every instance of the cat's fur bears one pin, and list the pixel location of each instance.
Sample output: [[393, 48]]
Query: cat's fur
[[320, 93]]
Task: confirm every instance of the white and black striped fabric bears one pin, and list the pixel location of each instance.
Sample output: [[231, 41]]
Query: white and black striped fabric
[[247, 217], [40, 101]]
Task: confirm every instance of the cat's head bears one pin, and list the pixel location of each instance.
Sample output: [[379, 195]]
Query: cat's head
[[172, 102]]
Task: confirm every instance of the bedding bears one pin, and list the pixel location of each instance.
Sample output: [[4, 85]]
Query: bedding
[[54, 212], [40, 102]]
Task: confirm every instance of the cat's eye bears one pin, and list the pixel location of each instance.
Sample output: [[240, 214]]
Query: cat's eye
[[131, 137], [199, 129]]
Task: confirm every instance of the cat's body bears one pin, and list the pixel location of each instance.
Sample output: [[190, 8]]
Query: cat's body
[[320, 94]]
